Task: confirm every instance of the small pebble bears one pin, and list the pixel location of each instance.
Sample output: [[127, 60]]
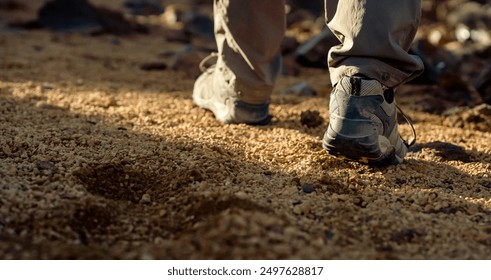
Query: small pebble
[[311, 118], [153, 66], [241, 195], [6, 150], [45, 165], [328, 234], [308, 188], [145, 198], [297, 209]]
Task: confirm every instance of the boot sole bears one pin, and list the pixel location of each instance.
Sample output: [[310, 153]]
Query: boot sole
[[371, 149]]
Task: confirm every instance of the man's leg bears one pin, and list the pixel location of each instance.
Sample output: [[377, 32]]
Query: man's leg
[[371, 60], [375, 36], [248, 34]]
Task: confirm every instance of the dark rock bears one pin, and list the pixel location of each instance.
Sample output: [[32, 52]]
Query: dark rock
[[10, 5], [328, 234], [45, 165], [81, 16], [115, 23], [196, 175], [308, 188], [311, 118], [400, 181], [144, 7], [153, 66], [69, 15]]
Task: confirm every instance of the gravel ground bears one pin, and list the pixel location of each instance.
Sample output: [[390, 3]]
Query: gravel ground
[[102, 160]]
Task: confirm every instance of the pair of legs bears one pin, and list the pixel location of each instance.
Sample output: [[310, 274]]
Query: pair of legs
[[370, 60]]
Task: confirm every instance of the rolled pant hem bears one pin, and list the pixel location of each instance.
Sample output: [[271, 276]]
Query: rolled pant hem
[[253, 96], [377, 70]]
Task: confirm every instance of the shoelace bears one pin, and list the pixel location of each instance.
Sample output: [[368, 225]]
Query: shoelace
[[202, 64], [413, 140]]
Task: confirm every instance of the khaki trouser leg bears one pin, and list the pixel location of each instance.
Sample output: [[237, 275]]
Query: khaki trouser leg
[[375, 36], [249, 35]]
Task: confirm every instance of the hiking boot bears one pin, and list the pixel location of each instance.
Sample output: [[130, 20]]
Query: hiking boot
[[363, 123], [214, 92]]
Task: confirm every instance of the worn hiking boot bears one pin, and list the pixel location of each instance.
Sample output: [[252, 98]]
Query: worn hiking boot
[[363, 123], [214, 92]]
